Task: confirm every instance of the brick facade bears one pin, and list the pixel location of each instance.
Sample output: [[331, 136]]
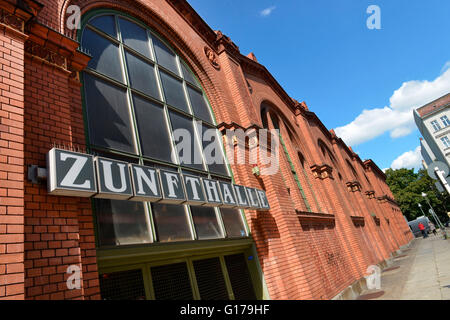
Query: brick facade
[[321, 233]]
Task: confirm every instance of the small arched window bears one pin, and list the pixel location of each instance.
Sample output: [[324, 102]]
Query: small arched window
[[368, 181], [275, 122], [352, 169], [326, 152], [264, 120], [302, 159], [265, 113]]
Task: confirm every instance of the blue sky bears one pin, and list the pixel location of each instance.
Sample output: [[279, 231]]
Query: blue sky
[[362, 82]]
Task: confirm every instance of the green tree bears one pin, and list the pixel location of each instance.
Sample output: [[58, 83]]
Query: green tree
[[407, 187]]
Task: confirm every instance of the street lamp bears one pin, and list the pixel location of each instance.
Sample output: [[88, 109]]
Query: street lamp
[[434, 215], [420, 206]]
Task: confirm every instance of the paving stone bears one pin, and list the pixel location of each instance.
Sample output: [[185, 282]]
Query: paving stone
[[423, 272]]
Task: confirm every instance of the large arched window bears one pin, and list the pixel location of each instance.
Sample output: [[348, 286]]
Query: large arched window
[[138, 94], [265, 113]]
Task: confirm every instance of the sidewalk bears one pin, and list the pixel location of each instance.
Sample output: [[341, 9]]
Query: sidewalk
[[421, 272]]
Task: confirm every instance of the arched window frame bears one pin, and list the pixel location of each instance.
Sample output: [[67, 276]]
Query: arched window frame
[[266, 110], [352, 169]]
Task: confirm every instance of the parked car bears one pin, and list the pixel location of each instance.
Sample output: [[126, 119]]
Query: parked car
[[414, 225]]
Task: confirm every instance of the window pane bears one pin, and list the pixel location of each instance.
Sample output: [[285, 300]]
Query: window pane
[[153, 129], [435, 125], [105, 24], [142, 75], [135, 37], [212, 150], [174, 92], [171, 222], [232, 221], [205, 222], [124, 285], [165, 56], [121, 222], [199, 106], [207, 272], [105, 54], [171, 282], [187, 146], [187, 75], [108, 115], [275, 121], [240, 279]]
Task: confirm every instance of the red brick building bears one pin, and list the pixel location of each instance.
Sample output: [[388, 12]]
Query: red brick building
[[105, 89]]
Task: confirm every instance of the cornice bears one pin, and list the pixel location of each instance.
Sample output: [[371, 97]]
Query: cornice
[[358, 221], [233, 126], [377, 220], [318, 218], [185, 10], [42, 42], [23, 10], [370, 194], [322, 171], [369, 164], [251, 66], [386, 198], [347, 149], [353, 186], [55, 49], [224, 43], [314, 118]]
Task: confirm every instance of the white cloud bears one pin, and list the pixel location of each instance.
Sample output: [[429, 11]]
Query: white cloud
[[410, 160], [397, 119], [266, 12]]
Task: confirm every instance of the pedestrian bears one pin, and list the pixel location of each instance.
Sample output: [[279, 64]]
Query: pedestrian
[[422, 229], [433, 228]]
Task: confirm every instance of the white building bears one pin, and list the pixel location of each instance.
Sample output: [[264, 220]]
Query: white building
[[433, 121]]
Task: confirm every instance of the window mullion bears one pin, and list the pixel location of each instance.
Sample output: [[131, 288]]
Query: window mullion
[[220, 221], [191, 222], [197, 139], [130, 96], [170, 128], [161, 93], [147, 206]]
